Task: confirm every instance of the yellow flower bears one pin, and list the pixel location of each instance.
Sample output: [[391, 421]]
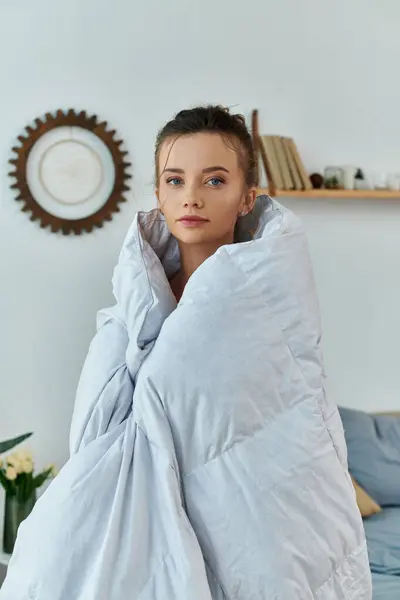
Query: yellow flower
[[14, 462], [11, 473], [26, 466], [1, 463], [24, 455], [21, 461]]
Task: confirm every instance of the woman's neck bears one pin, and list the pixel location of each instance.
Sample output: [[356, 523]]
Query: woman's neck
[[191, 257]]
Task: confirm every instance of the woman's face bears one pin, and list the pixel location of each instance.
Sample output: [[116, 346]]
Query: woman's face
[[202, 189]]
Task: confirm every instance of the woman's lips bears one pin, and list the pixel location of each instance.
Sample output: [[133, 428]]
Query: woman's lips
[[192, 221]]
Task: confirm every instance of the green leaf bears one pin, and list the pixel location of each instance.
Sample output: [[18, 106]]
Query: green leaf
[[29, 487], [8, 444], [39, 480], [7, 484]]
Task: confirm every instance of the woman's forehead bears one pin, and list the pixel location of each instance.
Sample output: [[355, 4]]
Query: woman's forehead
[[197, 152]]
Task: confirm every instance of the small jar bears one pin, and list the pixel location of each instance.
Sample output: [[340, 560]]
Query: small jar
[[333, 178]]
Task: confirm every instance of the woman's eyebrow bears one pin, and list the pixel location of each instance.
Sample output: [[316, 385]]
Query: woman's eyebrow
[[215, 168], [206, 170], [173, 170]]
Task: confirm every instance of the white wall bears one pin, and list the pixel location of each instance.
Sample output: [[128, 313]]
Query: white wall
[[324, 72]]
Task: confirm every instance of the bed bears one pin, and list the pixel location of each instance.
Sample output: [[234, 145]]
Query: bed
[[373, 443], [383, 537]]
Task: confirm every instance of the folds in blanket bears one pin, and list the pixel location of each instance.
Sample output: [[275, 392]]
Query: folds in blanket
[[105, 391], [126, 334]]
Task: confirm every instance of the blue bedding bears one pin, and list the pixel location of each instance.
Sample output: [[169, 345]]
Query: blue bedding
[[373, 443], [383, 538], [385, 587]]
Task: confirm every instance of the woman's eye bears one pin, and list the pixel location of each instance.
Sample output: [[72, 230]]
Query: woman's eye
[[215, 181], [174, 180]]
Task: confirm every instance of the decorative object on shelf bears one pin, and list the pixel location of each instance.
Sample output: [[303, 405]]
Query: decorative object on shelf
[[386, 181], [333, 177], [70, 172], [381, 180], [317, 181], [360, 182], [394, 181], [20, 483], [348, 176]]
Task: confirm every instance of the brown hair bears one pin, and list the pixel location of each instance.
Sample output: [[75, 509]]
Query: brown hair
[[212, 119]]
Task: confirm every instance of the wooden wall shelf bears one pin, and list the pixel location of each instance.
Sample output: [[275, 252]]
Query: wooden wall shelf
[[361, 194]]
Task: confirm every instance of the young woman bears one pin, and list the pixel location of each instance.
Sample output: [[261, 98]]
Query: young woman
[[206, 460], [205, 183]]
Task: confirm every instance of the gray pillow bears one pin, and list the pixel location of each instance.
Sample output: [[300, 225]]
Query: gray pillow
[[373, 444]]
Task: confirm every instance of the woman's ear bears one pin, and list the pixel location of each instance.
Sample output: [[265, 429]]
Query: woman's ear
[[249, 201]]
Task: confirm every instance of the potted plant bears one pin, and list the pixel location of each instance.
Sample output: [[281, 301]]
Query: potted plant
[[20, 482]]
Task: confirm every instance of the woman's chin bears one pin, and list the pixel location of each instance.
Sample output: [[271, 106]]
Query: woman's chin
[[193, 235]]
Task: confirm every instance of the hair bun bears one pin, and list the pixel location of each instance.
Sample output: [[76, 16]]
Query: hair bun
[[213, 119]]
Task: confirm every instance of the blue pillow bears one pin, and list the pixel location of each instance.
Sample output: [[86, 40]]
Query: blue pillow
[[373, 444]]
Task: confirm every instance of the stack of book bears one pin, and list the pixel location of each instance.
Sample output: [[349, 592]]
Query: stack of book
[[283, 165]]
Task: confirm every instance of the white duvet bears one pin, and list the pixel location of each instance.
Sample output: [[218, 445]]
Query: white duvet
[[206, 460]]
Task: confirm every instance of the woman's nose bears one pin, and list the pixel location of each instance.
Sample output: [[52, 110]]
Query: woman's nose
[[193, 198]]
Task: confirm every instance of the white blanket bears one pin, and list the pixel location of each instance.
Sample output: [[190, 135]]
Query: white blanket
[[206, 460]]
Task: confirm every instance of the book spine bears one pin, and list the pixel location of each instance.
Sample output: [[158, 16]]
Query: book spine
[[297, 183], [282, 162], [270, 163], [305, 180]]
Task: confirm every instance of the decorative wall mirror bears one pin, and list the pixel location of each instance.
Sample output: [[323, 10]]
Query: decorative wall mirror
[[70, 172]]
